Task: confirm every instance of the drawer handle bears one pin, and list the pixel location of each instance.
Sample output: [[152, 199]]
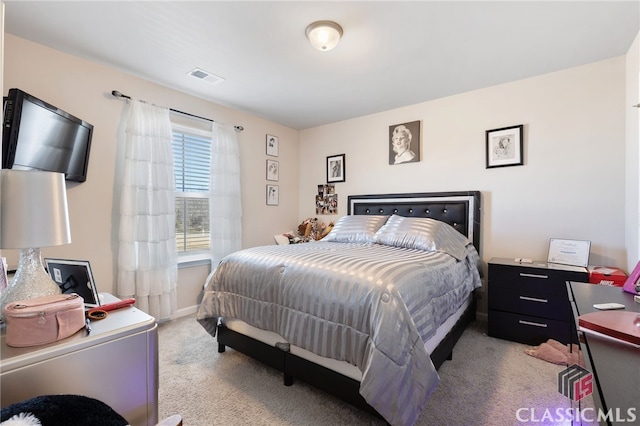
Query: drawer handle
[[533, 299], [537, 324], [522, 274]]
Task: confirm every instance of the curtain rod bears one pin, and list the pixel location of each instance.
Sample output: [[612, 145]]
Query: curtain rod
[[117, 94]]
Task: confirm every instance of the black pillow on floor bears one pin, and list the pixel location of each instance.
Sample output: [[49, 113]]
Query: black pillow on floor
[[65, 410]]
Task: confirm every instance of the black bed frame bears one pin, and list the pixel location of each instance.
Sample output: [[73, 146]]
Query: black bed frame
[[459, 209]]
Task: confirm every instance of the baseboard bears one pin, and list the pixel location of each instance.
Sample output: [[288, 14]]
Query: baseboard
[[184, 312]]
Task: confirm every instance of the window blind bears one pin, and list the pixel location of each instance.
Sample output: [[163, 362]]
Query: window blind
[[192, 167]]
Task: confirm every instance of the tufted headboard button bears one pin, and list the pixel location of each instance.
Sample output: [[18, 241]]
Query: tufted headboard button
[[367, 211], [381, 211]]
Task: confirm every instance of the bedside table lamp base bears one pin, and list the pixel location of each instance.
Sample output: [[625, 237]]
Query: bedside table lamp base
[[30, 280]]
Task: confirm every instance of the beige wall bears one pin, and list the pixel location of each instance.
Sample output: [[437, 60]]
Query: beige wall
[[571, 185], [84, 89], [632, 155]]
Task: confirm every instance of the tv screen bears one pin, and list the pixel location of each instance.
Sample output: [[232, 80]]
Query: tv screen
[[40, 136]]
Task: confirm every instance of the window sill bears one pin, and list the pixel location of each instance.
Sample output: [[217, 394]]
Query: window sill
[[194, 259]]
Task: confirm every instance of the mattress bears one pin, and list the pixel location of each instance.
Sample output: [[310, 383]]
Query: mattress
[[344, 368]]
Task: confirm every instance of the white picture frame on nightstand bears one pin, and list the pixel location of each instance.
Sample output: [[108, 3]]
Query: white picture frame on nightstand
[[569, 252]]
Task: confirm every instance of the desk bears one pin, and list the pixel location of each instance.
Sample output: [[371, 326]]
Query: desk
[[116, 364], [615, 366]]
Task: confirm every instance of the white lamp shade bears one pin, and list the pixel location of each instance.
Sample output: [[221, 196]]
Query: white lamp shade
[[324, 35], [33, 209]]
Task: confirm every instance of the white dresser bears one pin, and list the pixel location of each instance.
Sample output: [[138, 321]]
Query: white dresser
[[117, 363]]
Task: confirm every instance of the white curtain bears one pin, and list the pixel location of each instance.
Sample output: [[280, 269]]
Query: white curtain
[[147, 258], [225, 208]]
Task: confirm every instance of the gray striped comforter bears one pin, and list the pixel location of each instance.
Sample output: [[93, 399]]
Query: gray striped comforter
[[368, 304]]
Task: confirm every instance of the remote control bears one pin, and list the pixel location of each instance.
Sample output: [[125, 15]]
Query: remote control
[[607, 306]]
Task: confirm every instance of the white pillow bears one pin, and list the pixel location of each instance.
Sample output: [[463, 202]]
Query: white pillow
[[422, 234], [355, 229]]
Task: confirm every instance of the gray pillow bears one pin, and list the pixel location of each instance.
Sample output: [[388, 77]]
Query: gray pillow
[[355, 229], [422, 234]]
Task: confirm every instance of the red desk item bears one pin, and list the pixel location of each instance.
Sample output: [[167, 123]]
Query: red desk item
[[606, 275], [622, 325]]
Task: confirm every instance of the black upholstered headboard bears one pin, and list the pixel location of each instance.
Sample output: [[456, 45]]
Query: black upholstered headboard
[[459, 209]]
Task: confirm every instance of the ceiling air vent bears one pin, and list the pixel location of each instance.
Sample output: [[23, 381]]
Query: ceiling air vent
[[205, 76]]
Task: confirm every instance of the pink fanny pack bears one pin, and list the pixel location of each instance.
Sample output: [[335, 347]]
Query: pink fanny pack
[[43, 319]]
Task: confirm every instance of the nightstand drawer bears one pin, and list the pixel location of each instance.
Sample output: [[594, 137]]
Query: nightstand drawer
[[533, 279], [528, 329], [532, 302]]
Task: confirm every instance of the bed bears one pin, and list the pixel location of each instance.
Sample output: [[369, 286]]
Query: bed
[[351, 314]]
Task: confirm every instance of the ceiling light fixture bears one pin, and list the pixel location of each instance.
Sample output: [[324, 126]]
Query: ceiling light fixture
[[324, 35]]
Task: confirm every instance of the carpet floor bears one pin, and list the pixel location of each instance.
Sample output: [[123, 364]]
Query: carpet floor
[[488, 382]]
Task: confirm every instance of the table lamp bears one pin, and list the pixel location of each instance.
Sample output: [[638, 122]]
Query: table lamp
[[33, 214]]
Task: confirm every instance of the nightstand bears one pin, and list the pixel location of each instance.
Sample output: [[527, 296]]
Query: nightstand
[[117, 364], [528, 302]]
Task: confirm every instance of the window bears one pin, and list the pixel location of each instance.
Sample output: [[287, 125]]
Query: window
[[192, 165]]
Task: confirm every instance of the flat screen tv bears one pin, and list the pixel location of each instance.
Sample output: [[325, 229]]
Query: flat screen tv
[[40, 136]]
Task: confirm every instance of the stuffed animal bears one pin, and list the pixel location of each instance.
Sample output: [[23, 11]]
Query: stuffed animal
[[311, 229], [326, 230]]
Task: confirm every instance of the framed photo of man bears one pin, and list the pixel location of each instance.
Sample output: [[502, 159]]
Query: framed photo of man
[[335, 168], [404, 143]]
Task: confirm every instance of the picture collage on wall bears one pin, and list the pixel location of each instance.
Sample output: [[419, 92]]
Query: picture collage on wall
[[327, 199], [272, 170]]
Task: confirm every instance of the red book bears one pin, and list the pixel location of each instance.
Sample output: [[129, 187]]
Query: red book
[[622, 325]]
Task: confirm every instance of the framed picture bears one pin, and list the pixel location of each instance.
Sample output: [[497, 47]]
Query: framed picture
[[74, 276], [272, 145], [273, 170], [569, 252], [273, 195], [335, 168], [504, 146], [404, 143]]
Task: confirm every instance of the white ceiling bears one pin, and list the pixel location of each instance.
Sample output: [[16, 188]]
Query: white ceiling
[[392, 53]]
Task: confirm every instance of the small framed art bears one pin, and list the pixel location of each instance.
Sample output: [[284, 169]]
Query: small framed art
[[272, 143], [504, 146], [273, 170], [335, 168], [273, 195], [74, 276]]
